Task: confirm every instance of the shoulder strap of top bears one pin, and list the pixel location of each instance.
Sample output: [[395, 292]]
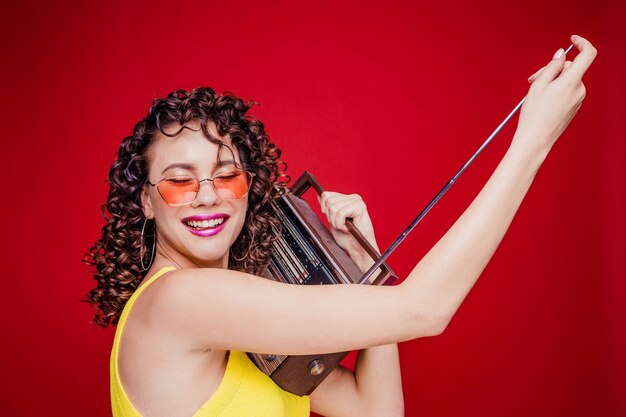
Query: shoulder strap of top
[[121, 405], [133, 298]]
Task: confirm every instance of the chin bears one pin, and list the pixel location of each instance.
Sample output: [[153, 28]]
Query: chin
[[211, 260]]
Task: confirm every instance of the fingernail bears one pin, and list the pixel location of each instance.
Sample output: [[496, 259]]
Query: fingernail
[[558, 54]]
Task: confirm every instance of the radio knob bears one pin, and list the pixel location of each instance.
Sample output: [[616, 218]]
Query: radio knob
[[316, 367]]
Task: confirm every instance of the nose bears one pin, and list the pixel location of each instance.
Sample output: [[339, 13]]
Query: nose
[[206, 195]]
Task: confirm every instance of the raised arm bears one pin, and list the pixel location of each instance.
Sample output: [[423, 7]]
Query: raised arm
[[213, 308], [553, 100]]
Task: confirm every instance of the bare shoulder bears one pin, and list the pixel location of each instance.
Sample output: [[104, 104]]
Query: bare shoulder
[[174, 300], [174, 289]]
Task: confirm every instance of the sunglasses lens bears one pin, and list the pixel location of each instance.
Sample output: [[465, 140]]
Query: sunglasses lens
[[233, 185], [178, 190]]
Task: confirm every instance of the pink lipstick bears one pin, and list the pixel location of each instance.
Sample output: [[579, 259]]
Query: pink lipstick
[[206, 225]]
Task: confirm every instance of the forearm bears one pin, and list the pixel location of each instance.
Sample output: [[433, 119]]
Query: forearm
[[378, 381], [377, 372], [450, 269]]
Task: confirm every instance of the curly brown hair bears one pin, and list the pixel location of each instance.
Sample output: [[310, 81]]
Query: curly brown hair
[[117, 256]]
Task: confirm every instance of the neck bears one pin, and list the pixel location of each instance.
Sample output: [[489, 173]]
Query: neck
[[165, 256]]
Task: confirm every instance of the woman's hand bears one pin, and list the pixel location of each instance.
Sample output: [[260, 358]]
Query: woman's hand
[[338, 207], [556, 94]]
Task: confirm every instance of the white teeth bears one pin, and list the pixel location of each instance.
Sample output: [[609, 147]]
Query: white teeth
[[203, 224]]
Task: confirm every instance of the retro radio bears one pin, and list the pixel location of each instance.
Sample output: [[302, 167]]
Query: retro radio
[[305, 253]]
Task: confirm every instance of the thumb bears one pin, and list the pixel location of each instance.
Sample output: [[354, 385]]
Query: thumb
[[320, 199], [553, 69]]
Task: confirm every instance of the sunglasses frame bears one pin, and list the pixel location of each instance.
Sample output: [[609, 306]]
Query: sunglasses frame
[[250, 174]]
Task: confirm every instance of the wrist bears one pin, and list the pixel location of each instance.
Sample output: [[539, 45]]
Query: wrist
[[525, 148], [362, 259]]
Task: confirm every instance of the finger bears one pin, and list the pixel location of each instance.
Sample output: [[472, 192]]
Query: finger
[[584, 58], [335, 220], [323, 200], [338, 206], [326, 200], [535, 75], [338, 199], [334, 217], [553, 69], [330, 202], [349, 209]]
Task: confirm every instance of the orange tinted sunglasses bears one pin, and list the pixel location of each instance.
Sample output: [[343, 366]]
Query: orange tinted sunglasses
[[183, 189]]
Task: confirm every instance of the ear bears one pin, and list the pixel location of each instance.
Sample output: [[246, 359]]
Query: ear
[[146, 203]]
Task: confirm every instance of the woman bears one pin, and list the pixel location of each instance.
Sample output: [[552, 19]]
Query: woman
[[188, 231]]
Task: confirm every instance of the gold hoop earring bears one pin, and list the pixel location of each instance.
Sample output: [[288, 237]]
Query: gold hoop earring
[[143, 247], [244, 256]]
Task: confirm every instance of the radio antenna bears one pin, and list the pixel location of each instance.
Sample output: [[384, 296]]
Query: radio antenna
[[440, 194]]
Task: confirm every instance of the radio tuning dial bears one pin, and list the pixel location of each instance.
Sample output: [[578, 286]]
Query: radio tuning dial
[[316, 367]]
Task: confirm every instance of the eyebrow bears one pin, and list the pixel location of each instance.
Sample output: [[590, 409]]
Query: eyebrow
[[191, 167]]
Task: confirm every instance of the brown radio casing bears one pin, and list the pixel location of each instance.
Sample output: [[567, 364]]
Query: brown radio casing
[[305, 253]]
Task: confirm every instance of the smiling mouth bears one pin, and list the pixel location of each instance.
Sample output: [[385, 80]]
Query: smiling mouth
[[205, 224]]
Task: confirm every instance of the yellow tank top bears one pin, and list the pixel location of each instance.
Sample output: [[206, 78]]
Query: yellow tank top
[[244, 390]]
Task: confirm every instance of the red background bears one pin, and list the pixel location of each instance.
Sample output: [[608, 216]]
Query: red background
[[385, 99]]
